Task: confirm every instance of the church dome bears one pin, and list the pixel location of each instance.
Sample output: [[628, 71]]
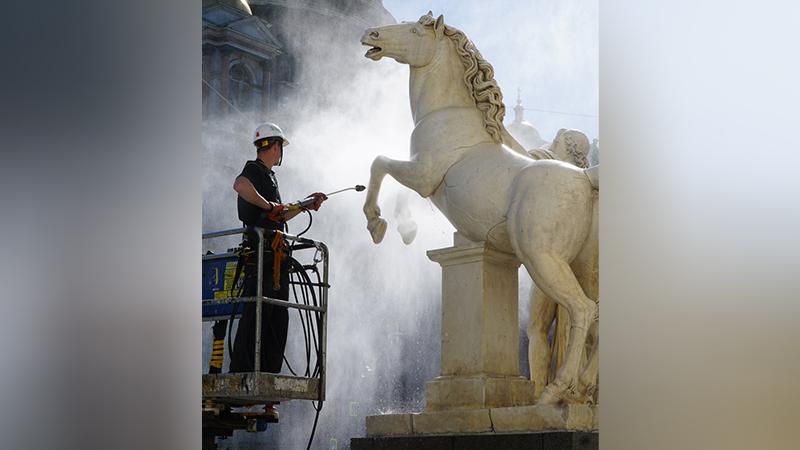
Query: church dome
[[526, 134], [241, 5], [523, 131]]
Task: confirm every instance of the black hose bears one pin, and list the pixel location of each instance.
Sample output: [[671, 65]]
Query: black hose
[[306, 320], [314, 428], [301, 283], [310, 220], [307, 290], [296, 265]]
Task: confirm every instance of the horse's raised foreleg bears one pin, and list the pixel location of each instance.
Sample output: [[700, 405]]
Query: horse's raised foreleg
[[411, 174], [375, 225]]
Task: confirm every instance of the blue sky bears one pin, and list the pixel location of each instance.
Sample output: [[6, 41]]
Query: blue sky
[[548, 49]]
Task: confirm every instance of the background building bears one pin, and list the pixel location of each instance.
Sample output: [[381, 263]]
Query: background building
[[258, 55], [523, 131], [240, 59]]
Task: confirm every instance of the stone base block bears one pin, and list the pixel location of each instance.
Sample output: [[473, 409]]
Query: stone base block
[[495, 420], [475, 392], [459, 421], [389, 425], [546, 440], [544, 417]]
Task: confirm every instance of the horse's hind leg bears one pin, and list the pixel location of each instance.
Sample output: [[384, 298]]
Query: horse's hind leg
[[587, 386], [586, 268], [554, 276], [540, 352]]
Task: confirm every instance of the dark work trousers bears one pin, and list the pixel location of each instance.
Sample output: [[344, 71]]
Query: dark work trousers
[[274, 320]]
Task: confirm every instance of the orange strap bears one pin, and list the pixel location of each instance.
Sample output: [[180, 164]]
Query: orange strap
[[279, 247]]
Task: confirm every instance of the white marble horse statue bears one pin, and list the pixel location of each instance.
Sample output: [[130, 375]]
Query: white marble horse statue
[[486, 184]]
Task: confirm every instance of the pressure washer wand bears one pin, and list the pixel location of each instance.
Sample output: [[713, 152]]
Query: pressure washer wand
[[357, 188], [309, 201]]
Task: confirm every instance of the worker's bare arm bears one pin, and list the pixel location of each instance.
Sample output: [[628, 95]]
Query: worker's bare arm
[[244, 187], [291, 214], [248, 192]]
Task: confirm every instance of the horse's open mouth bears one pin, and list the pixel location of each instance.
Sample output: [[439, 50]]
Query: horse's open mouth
[[374, 52]]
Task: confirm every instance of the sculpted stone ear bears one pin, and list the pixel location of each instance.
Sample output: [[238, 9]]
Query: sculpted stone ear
[[430, 13], [438, 27]]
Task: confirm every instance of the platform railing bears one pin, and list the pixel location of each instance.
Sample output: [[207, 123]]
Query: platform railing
[[296, 243]]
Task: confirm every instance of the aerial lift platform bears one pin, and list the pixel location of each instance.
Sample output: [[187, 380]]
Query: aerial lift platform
[[231, 400]]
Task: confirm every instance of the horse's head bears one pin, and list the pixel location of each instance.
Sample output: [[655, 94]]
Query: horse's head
[[412, 43]]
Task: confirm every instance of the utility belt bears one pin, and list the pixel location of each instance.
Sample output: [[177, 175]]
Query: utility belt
[[276, 254]]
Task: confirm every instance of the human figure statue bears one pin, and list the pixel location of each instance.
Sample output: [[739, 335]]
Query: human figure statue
[[486, 184]]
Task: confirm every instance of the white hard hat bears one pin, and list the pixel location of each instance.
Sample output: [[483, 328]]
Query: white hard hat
[[268, 130]]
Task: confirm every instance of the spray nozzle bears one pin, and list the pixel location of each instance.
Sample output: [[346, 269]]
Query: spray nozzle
[[357, 188]]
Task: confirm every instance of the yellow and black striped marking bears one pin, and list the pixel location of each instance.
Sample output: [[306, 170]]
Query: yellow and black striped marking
[[217, 353]]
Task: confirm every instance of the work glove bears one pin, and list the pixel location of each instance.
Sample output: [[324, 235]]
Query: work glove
[[318, 197], [276, 214]]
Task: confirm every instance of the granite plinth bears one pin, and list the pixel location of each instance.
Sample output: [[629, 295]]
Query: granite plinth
[[543, 440]]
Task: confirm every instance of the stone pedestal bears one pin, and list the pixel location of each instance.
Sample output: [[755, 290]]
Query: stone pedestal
[[480, 350], [480, 336], [479, 395]]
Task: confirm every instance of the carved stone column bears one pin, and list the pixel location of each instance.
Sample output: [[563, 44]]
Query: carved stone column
[[480, 330]]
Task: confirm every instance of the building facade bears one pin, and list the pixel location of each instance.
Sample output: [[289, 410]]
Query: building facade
[[259, 55]]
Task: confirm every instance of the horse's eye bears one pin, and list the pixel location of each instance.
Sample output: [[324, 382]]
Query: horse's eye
[[414, 30]]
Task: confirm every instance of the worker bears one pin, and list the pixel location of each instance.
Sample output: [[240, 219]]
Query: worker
[[259, 205]]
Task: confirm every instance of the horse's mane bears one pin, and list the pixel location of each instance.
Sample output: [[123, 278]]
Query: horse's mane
[[479, 77]]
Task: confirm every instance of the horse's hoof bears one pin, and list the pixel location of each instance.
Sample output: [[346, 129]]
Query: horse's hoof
[[590, 394], [550, 396], [377, 228], [575, 397], [408, 231]]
